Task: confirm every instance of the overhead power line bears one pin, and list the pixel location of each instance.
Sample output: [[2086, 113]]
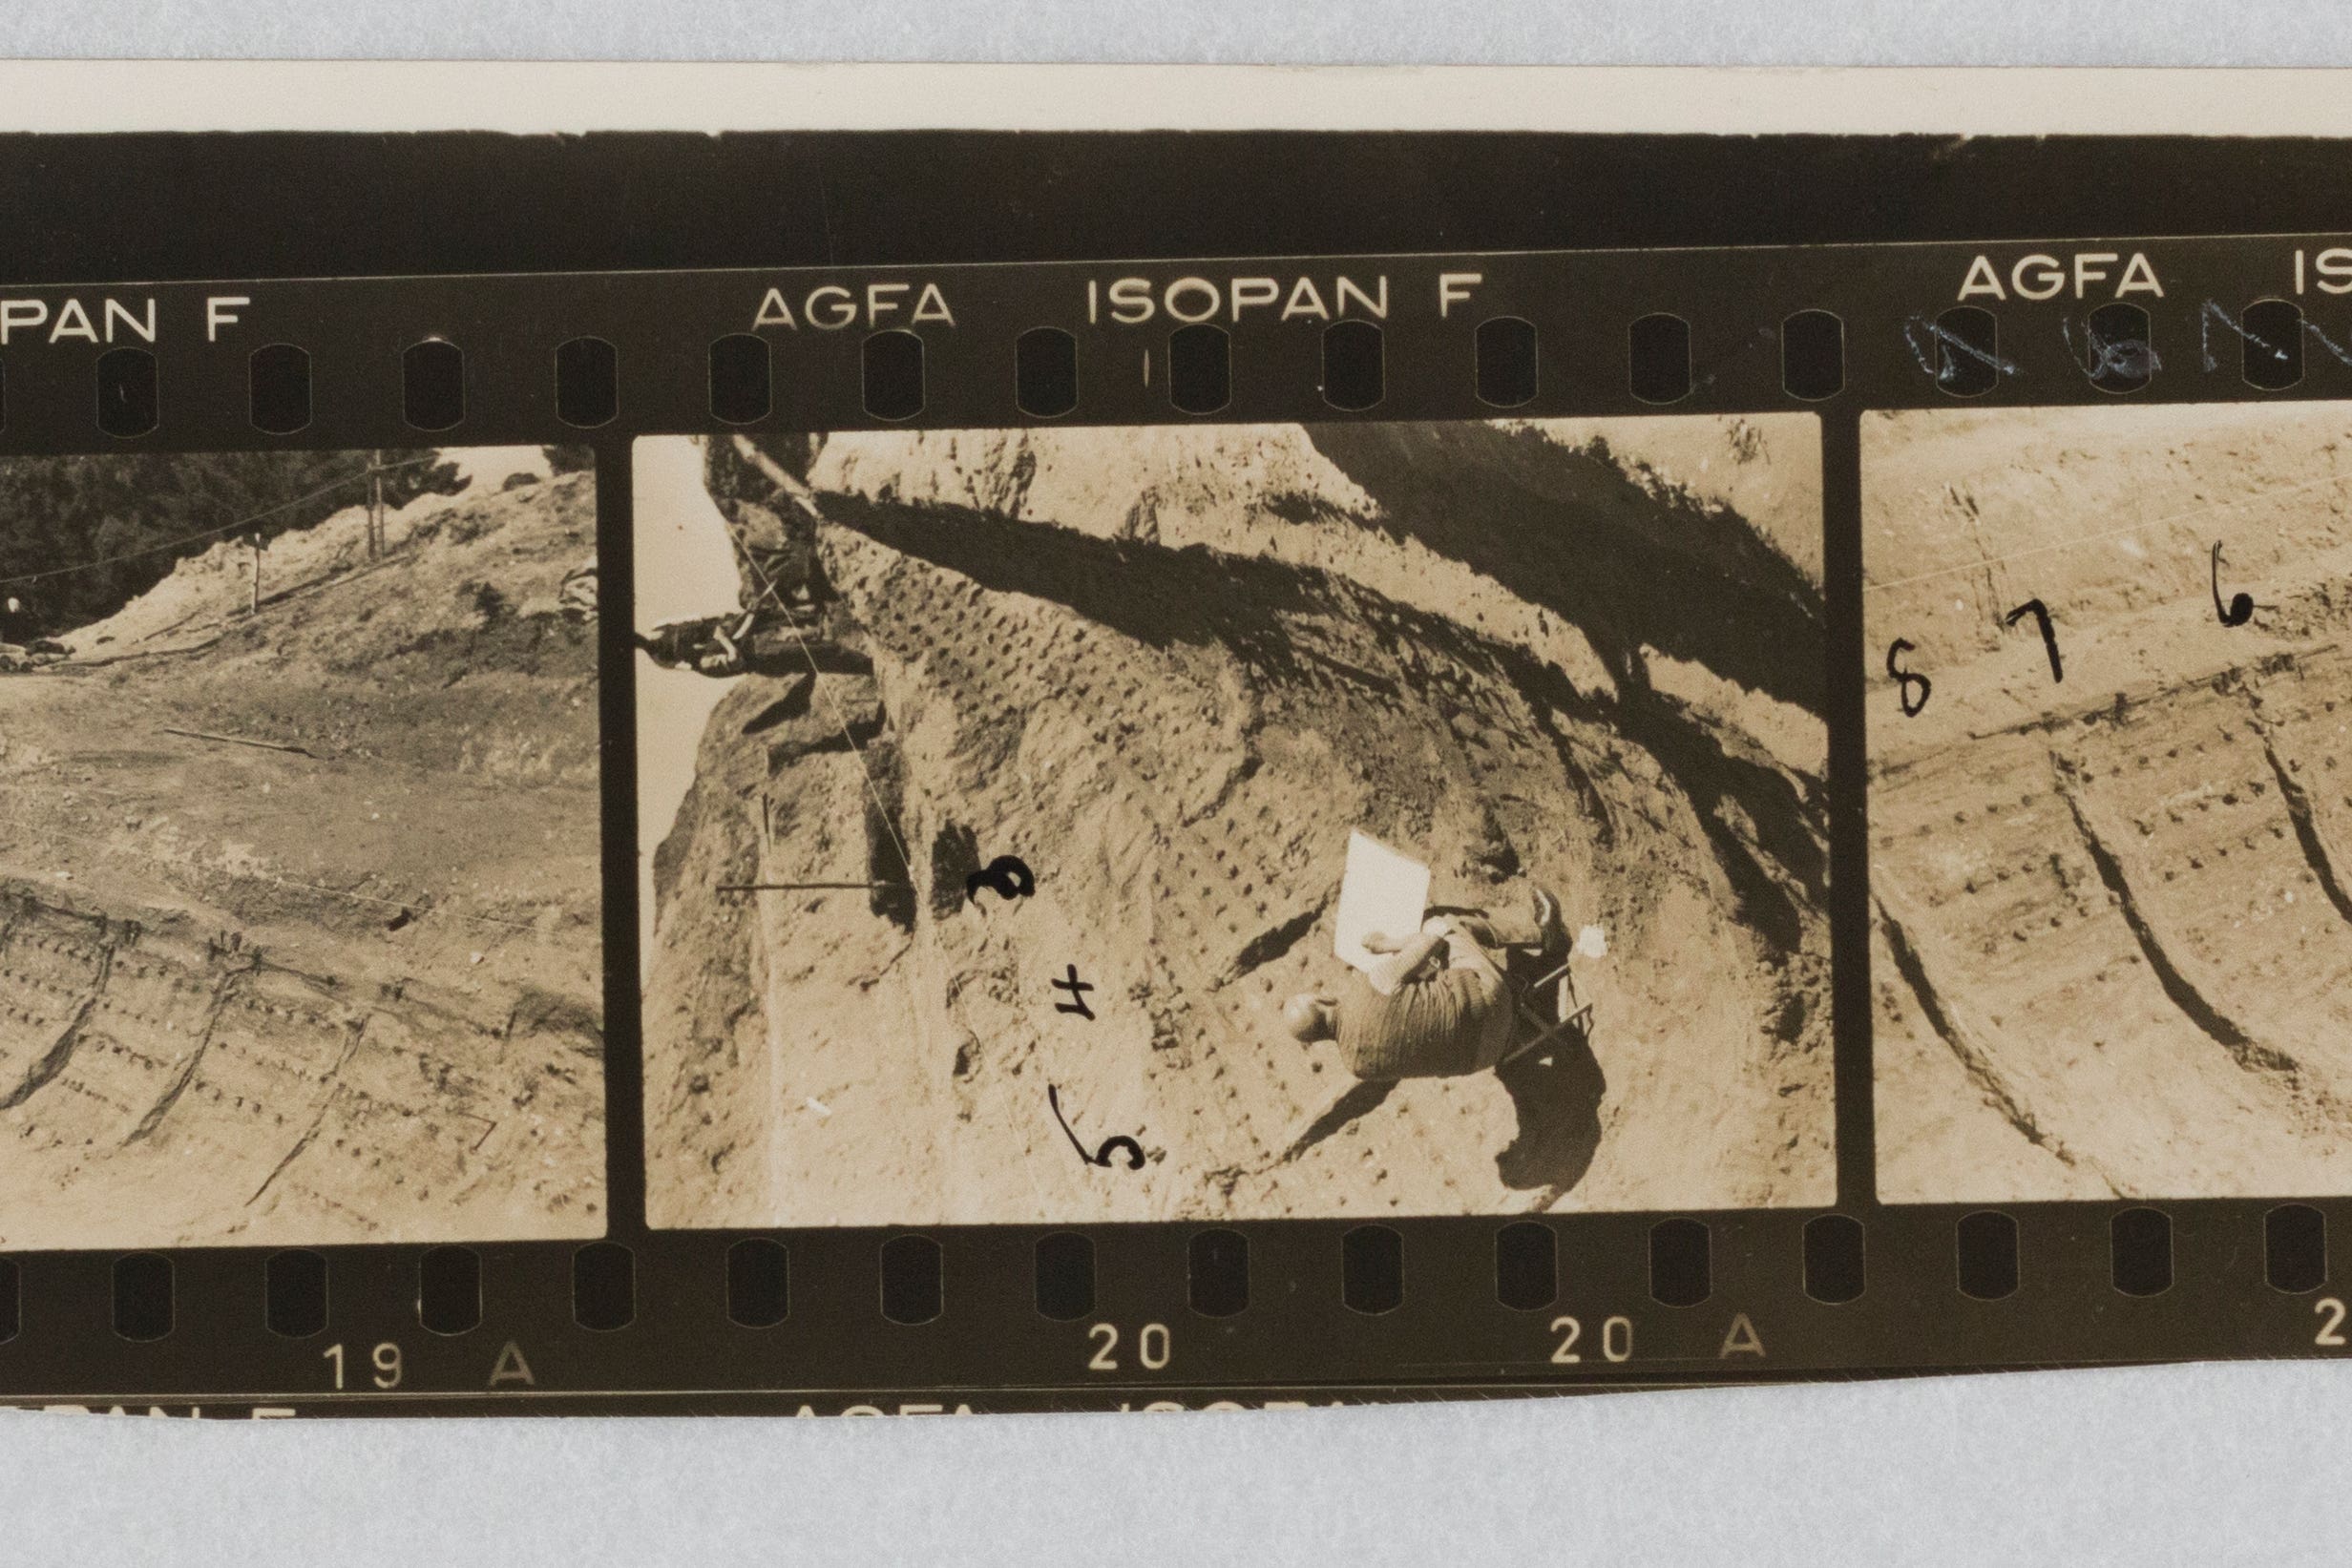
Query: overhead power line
[[225, 527]]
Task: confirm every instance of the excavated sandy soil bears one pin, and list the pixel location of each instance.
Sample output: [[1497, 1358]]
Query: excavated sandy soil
[[346, 994], [2114, 942], [1171, 669]]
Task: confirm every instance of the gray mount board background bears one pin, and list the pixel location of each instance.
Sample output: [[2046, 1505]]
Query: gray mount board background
[[2203, 1464], [2157, 33]]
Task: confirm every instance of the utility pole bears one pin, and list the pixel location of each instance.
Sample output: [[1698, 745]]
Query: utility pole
[[375, 503]]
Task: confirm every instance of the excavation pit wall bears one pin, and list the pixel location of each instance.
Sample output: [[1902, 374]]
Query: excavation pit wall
[[1171, 670]]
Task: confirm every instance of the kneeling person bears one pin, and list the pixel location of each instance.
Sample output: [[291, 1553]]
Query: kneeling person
[[1436, 1005]]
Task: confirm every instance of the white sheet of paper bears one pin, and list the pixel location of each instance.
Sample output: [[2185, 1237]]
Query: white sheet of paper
[[1383, 891]]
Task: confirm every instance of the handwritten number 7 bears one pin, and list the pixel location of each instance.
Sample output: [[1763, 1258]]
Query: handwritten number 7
[[2040, 612]]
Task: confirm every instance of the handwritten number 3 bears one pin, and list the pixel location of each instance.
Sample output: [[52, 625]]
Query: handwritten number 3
[[1102, 1155], [1134, 1151], [1008, 874]]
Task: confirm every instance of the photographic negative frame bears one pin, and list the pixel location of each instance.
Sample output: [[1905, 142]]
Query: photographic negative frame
[[881, 300]]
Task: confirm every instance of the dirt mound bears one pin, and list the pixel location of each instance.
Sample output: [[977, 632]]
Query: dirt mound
[[2115, 940], [343, 984], [1171, 669]]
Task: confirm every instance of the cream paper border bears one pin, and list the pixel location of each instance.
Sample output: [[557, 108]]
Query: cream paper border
[[102, 95]]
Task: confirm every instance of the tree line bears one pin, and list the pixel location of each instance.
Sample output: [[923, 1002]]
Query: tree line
[[120, 522]]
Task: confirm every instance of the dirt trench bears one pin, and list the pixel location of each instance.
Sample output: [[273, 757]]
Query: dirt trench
[[1178, 737], [2140, 901], [340, 987], [154, 1086], [2115, 935]]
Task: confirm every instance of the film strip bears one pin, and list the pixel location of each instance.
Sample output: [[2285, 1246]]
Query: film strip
[[1175, 833]]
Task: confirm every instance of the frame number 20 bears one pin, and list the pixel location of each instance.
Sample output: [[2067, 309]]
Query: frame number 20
[[1616, 1340], [1151, 1347]]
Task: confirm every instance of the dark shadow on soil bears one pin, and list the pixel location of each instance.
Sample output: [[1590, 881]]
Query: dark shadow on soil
[[1253, 605], [1571, 532], [1788, 826], [794, 703], [1557, 1091], [1159, 597], [1359, 1101]]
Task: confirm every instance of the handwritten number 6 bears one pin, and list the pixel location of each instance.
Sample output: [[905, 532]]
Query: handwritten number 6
[[1905, 679]]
